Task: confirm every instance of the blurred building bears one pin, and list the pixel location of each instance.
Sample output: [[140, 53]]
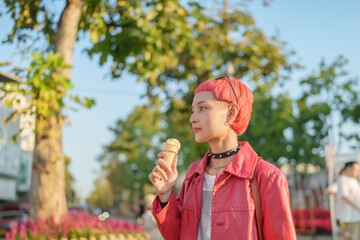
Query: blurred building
[[15, 157]]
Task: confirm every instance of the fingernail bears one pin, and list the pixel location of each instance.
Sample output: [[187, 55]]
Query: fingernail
[[165, 153], [166, 178], [170, 170]]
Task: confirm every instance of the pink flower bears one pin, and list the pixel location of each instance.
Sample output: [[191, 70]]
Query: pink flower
[[65, 230], [13, 231], [139, 228], [8, 236], [130, 227], [34, 228], [47, 232], [81, 216], [23, 232]]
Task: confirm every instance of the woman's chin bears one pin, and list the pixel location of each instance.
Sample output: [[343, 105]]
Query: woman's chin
[[199, 139]]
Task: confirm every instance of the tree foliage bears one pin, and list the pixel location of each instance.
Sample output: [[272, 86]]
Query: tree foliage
[[71, 196], [103, 196], [30, 16], [164, 43], [133, 152], [46, 88], [326, 108]]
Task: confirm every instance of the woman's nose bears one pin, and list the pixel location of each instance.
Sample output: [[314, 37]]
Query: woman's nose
[[192, 118]]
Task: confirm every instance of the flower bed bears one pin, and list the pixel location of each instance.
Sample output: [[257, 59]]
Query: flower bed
[[76, 225]]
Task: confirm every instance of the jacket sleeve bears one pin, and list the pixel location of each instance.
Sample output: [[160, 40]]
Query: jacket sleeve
[[275, 200], [169, 218]]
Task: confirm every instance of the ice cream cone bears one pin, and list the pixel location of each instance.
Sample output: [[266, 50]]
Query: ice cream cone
[[171, 147]]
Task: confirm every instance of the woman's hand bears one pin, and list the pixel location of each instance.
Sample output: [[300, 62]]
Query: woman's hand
[[163, 177]]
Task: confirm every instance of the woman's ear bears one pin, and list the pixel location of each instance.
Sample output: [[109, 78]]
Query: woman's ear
[[232, 113]]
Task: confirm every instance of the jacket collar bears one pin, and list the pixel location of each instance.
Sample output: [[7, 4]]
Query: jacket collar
[[242, 165]]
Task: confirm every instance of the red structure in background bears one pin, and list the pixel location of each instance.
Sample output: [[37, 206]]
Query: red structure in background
[[312, 220]]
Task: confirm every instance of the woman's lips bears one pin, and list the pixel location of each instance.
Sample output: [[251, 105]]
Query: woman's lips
[[196, 130]]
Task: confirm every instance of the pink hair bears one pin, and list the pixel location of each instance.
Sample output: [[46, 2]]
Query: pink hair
[[222, 90]]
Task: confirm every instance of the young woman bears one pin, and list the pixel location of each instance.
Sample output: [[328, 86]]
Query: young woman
[[215, 200]]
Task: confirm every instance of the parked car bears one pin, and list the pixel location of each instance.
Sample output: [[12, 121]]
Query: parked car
[[8, 219], [12, 206]]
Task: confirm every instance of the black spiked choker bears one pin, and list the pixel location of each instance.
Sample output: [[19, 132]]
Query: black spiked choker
[[226, 154]]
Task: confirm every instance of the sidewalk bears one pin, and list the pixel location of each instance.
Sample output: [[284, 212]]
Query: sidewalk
[[315, 237]]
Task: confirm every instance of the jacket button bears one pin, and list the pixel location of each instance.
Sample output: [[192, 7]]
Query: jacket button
[[220, 224]]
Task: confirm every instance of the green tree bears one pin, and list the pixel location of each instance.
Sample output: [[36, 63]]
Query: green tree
[[286, 130], [177, 43], [103, 195], [47, 82], [271, 117], [127, 160], [71, 196], [325, 109]]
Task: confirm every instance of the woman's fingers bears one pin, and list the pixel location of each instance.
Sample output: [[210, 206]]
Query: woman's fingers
[[155, 175], [161, 154], [165, 165], [156, 178], [158, 170], [174, 164], [164, 172], [169, 167]]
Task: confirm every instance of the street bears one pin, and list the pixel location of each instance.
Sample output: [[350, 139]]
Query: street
[[314, 237]]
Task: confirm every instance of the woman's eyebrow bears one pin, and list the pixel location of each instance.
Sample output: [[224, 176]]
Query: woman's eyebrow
[[198, 103], [193, 105], [201, 102]]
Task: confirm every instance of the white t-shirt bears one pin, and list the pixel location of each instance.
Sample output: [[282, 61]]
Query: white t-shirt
[[204, 232], [333, 188], [350, 188]]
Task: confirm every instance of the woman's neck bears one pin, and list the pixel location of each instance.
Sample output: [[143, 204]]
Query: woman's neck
[[219, 147]]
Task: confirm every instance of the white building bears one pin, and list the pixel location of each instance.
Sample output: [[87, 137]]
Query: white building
[[15, 158]]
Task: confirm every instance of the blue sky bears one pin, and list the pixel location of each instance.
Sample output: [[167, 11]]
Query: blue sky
[[314, 29]]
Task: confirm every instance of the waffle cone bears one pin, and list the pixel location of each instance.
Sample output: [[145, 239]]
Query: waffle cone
[[171, 146], [169, 157]]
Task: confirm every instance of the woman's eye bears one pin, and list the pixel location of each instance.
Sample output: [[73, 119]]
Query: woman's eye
[[202, 108]]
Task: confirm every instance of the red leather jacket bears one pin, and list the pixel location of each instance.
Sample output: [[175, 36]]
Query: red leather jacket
[[233, 215]]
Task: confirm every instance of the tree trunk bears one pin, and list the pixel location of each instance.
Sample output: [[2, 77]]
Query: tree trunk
[[47, 191]]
